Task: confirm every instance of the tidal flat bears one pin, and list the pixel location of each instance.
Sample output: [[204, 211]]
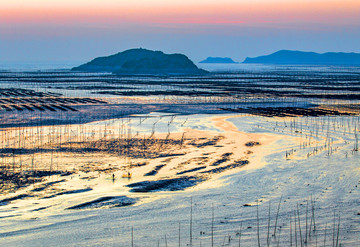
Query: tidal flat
[[244, 156]]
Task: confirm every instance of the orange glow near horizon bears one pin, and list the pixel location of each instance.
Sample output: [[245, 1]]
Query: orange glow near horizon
[[179, 12]]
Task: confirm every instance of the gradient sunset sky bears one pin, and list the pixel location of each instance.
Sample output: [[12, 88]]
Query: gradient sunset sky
[[79, 30]]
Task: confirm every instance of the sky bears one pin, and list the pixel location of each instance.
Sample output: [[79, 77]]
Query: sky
[[79, 30]]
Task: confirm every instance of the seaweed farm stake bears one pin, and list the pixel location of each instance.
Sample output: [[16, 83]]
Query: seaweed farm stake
[[295, 229], [240, 234], [306, 221], [325, 235], [338, 231], [334, 224], [179, 236], [212, 226], [132, 236], [312, 219], [257, 222], [191, 222], [301, 241], [182, 139], [268, 227], [290, 232], [277, 216]]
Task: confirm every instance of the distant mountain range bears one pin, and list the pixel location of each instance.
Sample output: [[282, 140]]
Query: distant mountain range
[[307, 58], [142, 62], [218, 60]]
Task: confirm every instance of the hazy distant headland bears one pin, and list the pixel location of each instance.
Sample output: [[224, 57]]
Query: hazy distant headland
[[142, 62], [218, 60], [307, 58]]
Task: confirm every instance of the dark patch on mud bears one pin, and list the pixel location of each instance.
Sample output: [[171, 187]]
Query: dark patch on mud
[[68, 192], [10, 199], [205, 142], [9, 216], [45, 186], [224, 158], [170, 155], [138, 164], [236, 164], [172, 184], [106, 202], [252, 143], [155, 170], [39, 209], [191, 170]]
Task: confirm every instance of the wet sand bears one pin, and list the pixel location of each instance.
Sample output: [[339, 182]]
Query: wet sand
[[85, 171]]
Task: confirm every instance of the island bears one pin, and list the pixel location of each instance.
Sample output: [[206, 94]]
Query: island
[[307, 58], [142, 62], [218, 60]]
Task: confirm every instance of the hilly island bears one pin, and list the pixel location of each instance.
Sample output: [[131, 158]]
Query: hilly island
[[142, 62], [307, 58], [218, 60]]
